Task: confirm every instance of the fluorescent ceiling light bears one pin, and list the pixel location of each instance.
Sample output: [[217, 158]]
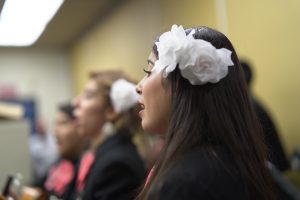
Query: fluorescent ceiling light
[[23, 21]]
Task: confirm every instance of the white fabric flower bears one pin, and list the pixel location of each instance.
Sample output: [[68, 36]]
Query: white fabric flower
[[199, 61], [123, 95]]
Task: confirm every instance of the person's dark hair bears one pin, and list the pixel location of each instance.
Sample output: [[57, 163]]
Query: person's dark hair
[[67, 108], [211, 115]]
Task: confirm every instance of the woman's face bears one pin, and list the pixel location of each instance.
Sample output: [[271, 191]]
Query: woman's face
[[155, 100], [67, 138], [90, 110]]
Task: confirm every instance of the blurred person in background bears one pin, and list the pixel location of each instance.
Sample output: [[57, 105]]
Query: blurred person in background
[[62, 177], [276, 152], [106, 113], [60, 180]]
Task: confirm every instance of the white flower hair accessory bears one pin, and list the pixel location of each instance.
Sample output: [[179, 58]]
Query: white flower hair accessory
[[123, 95], [199, 61]]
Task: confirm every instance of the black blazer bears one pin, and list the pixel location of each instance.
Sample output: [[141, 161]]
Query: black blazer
[[117, 171], [199, 176]]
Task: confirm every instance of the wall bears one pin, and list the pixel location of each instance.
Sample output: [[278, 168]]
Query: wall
[[14, 151], [188, 13], [266, 32], [123, 41], [41, 73]]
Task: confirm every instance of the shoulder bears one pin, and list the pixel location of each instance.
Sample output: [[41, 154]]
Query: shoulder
[[117, 155], [203, 174], [116, 172], [200, 166], [118, 148]]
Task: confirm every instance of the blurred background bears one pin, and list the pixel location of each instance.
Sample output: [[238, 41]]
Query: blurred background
[[103, 34]]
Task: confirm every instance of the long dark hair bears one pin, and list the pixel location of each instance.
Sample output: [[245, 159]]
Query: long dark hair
[[211, 115]]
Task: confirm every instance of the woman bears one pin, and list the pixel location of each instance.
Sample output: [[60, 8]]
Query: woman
[[117, 170], [62, 177], [194, 93]]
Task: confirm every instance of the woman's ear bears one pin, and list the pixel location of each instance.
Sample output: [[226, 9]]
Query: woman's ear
[[110, 114]]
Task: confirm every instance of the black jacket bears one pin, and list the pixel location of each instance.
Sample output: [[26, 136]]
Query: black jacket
[[117, 171], [199, 176]]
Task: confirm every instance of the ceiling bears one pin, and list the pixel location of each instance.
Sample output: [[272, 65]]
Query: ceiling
[[73, 20]]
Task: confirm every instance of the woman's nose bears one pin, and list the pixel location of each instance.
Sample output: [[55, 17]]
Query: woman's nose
[[138, 88]]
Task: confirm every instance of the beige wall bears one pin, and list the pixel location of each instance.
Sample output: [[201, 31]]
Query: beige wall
[[267, 33], [188, 13], [264, 32], [122, 41]]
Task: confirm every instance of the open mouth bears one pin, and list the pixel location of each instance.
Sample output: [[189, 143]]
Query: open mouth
[[142, 106], [76, 120]]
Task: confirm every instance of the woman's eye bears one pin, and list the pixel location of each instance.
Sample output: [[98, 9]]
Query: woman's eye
[[147, 72]]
